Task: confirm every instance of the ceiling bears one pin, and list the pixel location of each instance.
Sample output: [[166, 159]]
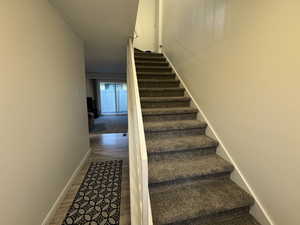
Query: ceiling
[[105, 26]]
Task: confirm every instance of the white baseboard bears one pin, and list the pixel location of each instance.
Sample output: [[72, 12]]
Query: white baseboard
[[257, 210], [63, 193]]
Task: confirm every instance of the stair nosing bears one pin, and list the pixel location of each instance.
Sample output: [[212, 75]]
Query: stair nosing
[[168, 111], [152, 54], [165, 99], [159, 81], [162, 89], [155, 73], [167, 125], [155, 146], [156, 67], [146, 58], [149, 62]]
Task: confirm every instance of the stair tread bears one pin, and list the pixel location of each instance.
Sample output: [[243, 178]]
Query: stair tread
[[244, 220], [176, 144], [159, 80], [150, 58], [139, 61], [173, 125], [165, 99], [165, 111], [162, 89], [231, 219], [199, 199], [151, 66], [138, 50], [185, 166], [151, 54], [155, 73]]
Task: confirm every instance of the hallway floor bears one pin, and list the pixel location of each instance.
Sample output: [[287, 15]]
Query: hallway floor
[[104, 147], [111, 124]]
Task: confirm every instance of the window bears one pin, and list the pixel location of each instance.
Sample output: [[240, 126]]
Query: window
[[113, 97]]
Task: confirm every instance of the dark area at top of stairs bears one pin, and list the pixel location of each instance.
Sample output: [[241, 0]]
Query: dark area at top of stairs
[[189, 183]]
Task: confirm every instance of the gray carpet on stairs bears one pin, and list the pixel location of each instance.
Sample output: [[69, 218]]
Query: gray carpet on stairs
[[189, 183]]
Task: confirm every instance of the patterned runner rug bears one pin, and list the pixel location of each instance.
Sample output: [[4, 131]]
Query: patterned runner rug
[[98, 199]]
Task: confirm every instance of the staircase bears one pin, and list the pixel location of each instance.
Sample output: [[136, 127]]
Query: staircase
[[189, 183]]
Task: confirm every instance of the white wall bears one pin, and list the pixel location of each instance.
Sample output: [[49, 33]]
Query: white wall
[[107, 77], [43, 131], [145, 26], [240, 60]]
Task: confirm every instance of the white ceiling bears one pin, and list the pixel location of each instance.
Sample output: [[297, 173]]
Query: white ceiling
[[105, 26]]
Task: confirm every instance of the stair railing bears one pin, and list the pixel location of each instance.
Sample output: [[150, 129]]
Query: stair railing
[[138, 161]]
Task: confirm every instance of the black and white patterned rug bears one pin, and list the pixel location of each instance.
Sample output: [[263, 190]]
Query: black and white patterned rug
[[98, 199]]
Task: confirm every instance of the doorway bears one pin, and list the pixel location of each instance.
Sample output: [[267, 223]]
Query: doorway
[[113, 98], [112, 105]]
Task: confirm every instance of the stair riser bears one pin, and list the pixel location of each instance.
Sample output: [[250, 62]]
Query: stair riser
[[151, 63], [146, 58], [185, 116], [219, 218], [143, 84], [156, 76], [153, 69], [165, 104], [150, 55], [179, 180], [195, 152], [175, 133], [165, 93]]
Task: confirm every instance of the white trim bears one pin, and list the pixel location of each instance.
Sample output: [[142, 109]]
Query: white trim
[[221, 144], [65, 190], [138, 160], [158, 24]]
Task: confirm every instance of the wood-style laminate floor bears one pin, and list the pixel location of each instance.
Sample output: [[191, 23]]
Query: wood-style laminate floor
[[104, 147]]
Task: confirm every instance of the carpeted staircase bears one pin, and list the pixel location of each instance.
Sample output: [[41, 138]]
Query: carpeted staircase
[[189, 183]]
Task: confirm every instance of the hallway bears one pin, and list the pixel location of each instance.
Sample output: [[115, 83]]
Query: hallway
[[111, 124], [198, 98], [105, 147]]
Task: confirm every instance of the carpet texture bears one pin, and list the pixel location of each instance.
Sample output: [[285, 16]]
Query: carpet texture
[[189, 183], [97, 201], [111, 124]]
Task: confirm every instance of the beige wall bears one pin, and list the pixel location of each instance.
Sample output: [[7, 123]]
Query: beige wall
[[145, 25], [43, 116], [240, 60], [90, 88]]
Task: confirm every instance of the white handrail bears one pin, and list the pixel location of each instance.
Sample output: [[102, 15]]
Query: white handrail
[[138, 161]]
